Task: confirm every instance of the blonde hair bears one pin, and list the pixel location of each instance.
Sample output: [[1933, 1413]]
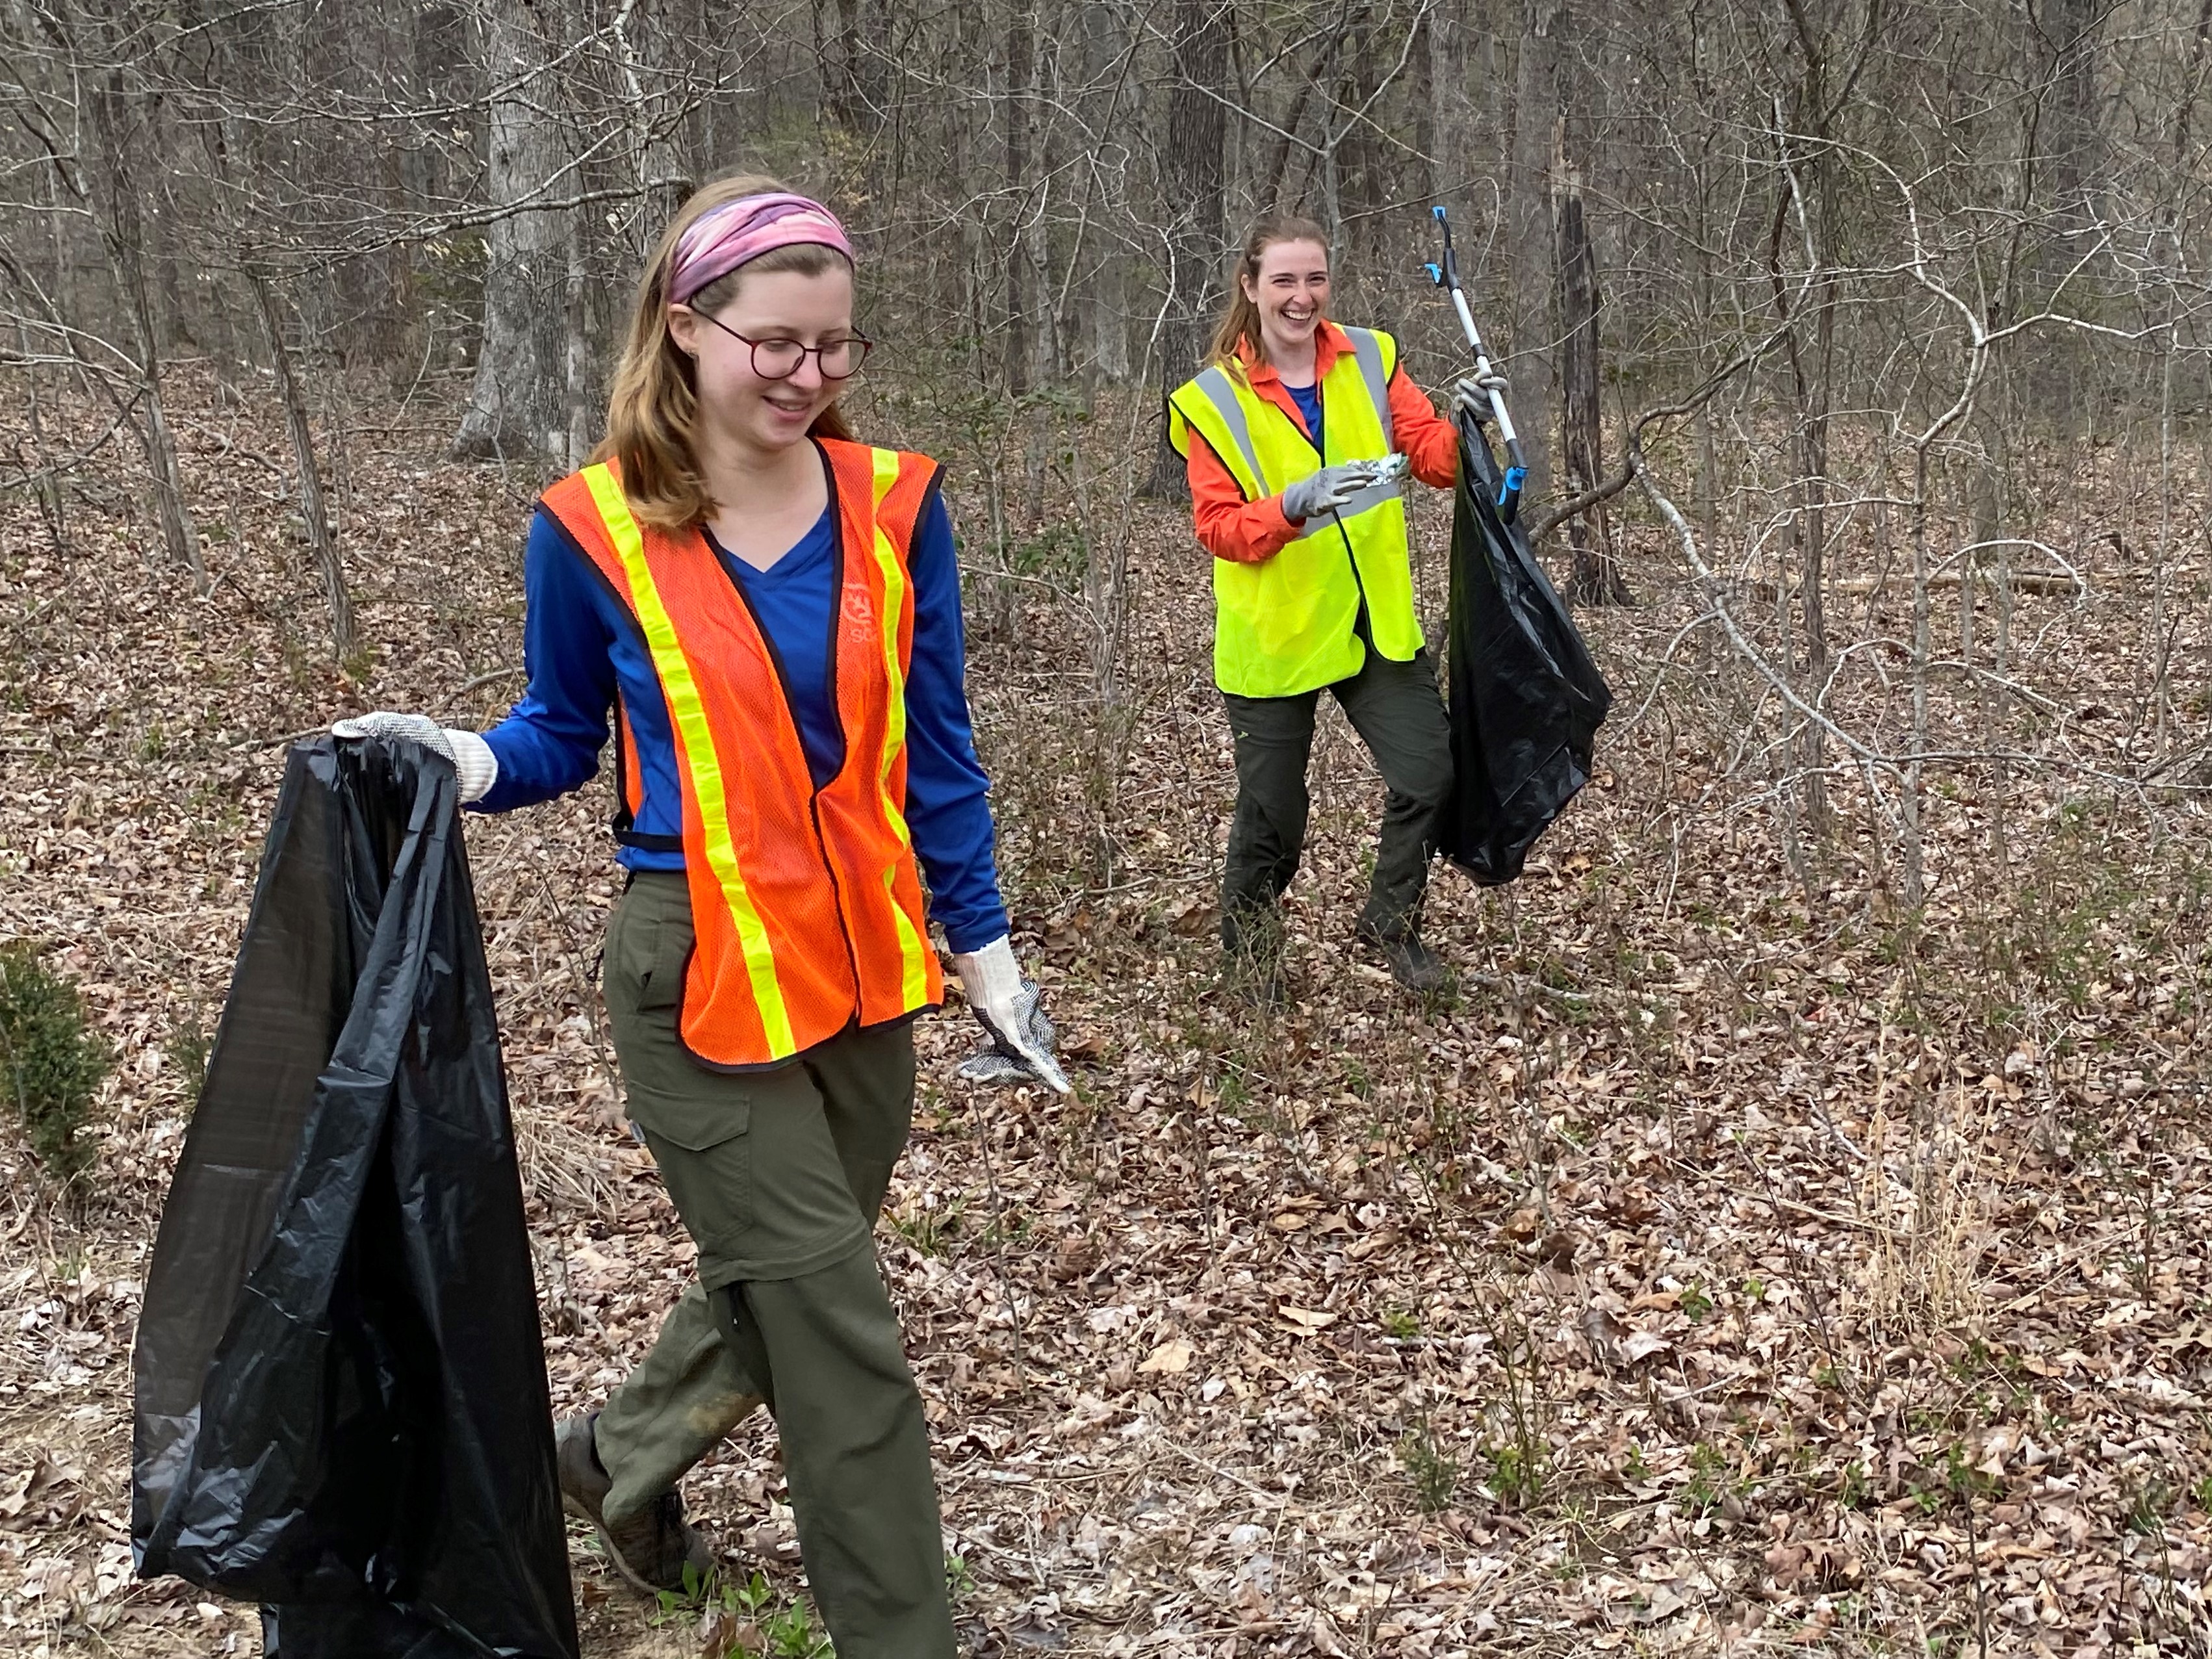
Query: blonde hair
[[654, 398], [1240, 324]]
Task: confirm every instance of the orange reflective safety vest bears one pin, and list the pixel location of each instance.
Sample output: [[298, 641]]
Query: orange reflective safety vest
[[806, 903]]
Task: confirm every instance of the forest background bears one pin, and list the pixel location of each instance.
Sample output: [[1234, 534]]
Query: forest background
[[1790, 1233]]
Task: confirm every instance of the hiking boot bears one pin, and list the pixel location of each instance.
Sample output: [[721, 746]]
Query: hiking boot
[[652, 1548], [1411, 963]]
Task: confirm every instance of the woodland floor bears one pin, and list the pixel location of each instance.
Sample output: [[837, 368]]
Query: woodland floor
[[1737, 1262]]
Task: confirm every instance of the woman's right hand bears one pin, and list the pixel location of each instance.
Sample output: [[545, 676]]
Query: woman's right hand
[[474, 764], [1328, 490]]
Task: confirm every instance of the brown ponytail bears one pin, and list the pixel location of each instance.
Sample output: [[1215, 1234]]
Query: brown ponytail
[[1240, 324]]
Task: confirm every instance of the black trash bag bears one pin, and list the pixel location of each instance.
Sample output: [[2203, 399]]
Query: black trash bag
[[1526, 699], [341, 1405]]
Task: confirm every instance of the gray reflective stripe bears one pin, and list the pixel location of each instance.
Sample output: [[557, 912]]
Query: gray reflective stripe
[[1215, 386], [1373, 496], [1368, 351]]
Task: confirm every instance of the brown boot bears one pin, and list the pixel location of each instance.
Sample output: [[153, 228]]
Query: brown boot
[[652, 1548]]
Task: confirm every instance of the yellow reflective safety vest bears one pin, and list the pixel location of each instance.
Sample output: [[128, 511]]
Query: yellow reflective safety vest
[[1286, 624]]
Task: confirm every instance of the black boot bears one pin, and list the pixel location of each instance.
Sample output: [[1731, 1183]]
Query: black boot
[[1411, 963]]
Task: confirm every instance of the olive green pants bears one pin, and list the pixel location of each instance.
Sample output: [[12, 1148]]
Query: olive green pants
[[1395, 708], [778, 1176]]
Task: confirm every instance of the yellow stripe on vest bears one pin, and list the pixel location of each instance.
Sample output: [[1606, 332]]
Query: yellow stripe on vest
[[689, 715], [913, 948]]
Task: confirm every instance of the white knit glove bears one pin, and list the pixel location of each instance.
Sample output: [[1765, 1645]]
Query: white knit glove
[[474, 764], [1011, 1013]]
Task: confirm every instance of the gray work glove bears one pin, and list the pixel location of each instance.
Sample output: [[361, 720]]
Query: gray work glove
[[1012, 1015], [1326, 490], [1472, 395], [474, 764]]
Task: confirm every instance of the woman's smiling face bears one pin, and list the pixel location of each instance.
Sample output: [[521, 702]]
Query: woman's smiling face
[[1291, 291], [761, 412]]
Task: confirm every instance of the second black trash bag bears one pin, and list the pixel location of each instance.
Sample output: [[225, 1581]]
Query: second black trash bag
[[1526, 699], [341, 1403]]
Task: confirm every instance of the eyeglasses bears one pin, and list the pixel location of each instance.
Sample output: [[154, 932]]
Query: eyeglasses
[[779, 360]]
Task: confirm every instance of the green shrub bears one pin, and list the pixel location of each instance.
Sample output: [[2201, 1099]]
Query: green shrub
[[52, 1062], [1435, 1476]]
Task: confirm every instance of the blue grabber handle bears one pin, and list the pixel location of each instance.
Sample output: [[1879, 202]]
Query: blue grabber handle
[[1444, 274]]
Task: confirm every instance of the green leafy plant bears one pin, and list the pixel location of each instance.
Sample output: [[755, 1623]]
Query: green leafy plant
[[189, 1046], [1398, 1322], [52, 1062], [1696, 1305], [929, 1230], [2147, 1508], [1516, 1472], [745, 1616], [1707, 1480], [1856, 1491], [1435, 1477]]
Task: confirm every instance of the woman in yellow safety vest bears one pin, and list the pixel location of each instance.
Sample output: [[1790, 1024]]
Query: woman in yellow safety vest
[[764, 614], [1291, 435]]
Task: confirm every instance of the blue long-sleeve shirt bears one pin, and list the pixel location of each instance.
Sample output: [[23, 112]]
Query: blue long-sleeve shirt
[[579, 648]]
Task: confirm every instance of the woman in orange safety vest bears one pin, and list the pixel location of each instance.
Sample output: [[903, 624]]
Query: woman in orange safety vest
[[764, 613]]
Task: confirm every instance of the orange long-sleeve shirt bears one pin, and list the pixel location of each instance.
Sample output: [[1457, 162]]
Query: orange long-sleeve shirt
[[1248, 533]]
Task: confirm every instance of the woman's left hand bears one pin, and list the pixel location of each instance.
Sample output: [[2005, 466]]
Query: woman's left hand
[[1012, 1012]]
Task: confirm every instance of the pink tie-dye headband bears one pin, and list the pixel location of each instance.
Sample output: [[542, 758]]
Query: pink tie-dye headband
[[738, 232]]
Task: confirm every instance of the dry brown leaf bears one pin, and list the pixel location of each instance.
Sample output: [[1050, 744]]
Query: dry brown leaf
[[1171, 1358]]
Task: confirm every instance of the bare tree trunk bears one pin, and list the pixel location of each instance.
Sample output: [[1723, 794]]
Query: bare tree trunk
[[517, 407], [1103, 296], [1536, 114], [313, 514], [1197, 139], [51, 499], [1015, 359], [1596, 578], [114, 122], [1421, 85], [576, 349], [1047, 352], [2068, 141]]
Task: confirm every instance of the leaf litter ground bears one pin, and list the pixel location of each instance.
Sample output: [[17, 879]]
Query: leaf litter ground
[[1734, 1261]]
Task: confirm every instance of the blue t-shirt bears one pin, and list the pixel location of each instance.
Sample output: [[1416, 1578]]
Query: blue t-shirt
[[792, 599], [1308, 398], [580, 647]]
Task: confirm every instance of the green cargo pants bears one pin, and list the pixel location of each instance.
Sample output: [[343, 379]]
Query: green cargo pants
[[1395, 708], [779, 1177]]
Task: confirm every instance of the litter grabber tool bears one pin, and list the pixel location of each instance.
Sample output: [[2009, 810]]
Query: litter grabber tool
[[1444, 273]]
